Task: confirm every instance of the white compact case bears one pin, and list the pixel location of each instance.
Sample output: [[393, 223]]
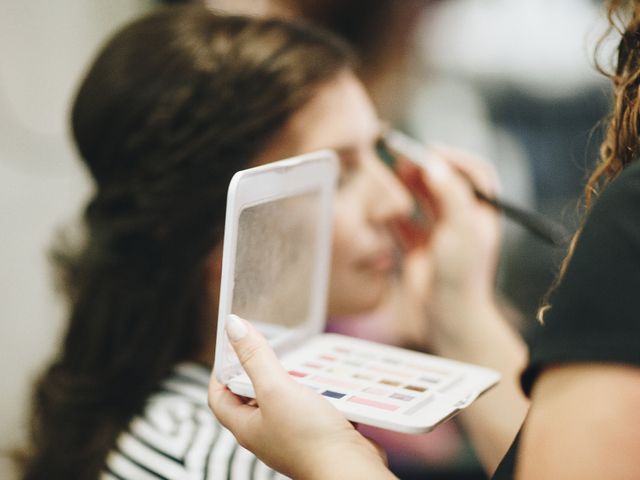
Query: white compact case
[[275, 272]]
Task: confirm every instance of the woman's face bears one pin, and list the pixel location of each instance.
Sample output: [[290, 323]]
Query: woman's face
[[369, 197]]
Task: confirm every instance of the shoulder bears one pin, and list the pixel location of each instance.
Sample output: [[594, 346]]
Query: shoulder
[[567, 402], [172, 434], [177, 436]]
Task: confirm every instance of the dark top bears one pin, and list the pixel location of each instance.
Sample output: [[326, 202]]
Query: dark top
[[595, 311]]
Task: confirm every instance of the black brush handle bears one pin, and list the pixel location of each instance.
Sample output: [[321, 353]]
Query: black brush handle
[[543, 227]]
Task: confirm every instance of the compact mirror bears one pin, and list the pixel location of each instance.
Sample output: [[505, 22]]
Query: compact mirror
[[274, 261]]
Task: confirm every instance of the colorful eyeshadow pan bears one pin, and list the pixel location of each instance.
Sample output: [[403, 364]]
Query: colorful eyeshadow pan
[[429, 379], [392, 371], [332, 394], [415, 388], [373, 403], [377, 391], [295, 373], [391, 383], [400, 396], [336, 382], [313, 365]]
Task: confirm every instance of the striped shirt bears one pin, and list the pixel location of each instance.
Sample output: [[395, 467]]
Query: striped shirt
[[177, 437]]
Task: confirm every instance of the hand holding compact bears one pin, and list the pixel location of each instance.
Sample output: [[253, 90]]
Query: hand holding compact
[[289, 427]]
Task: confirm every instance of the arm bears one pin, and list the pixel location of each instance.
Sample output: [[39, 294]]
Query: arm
[[493, 421], [456, 269], [583, 424], [291, 429]]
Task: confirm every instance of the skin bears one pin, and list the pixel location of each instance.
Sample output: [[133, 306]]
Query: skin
[[341, 116], [592, 439]]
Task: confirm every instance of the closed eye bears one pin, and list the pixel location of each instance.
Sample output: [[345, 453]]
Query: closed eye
[[349, 163]]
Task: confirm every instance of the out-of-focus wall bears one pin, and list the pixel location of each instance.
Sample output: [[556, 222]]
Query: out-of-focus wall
[[44, 47]]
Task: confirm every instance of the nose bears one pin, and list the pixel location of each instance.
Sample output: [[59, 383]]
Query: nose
[[389, 198]]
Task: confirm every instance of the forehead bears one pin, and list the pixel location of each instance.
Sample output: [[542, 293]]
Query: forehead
[[339, 115]]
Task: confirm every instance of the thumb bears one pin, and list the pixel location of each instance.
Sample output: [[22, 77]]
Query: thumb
[[255, 355]]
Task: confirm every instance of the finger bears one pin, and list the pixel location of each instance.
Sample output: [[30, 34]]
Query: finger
[[451, 192], [228, 408], [381, 451], [256, 356], [480, 172]]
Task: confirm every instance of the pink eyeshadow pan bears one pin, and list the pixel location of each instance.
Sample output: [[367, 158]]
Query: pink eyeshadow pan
[[373, 403], [295, 373], [312, 365]]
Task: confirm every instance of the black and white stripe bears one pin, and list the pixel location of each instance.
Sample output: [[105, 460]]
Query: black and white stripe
[[178, 438]]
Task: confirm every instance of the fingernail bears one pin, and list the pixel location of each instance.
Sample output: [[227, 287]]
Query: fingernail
[[236, 329]]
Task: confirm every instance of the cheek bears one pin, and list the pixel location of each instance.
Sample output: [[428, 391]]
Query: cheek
[[348, 229], [347, 232], [352, 290]]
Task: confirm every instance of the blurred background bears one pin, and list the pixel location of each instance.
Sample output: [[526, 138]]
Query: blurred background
[[509, 79]]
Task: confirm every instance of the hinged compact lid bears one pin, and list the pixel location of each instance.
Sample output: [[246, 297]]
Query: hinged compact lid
[[276, 253]]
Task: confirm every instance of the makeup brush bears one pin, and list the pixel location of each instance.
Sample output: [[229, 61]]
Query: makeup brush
[[538, 224]]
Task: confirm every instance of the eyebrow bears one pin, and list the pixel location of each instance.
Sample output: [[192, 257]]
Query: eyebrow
[[348, 150], [345, 151]]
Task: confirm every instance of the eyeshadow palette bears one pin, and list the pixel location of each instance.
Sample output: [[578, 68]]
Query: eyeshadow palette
[[275, 271], [381, 385]]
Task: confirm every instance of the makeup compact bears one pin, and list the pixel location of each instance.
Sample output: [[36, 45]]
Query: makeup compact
[[275, 272]]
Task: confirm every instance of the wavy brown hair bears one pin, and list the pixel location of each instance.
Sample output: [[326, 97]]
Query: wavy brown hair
[[621, 144], [174, 104]]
